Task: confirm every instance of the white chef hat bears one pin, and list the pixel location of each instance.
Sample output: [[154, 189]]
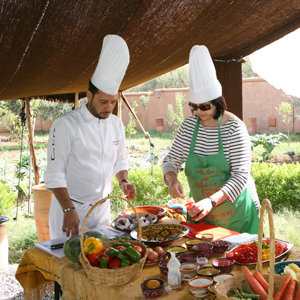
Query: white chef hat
[[112, 65], [204, 85]]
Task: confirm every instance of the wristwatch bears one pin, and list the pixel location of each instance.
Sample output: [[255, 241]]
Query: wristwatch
[[124, 180], [213, 202]]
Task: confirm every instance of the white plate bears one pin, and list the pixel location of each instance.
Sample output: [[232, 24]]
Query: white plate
[[289, 247]]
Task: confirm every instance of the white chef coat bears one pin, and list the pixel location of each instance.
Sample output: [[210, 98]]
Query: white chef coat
[[84, 153]]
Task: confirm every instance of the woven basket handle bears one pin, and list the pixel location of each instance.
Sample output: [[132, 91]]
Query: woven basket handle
[[267, 203], [94, 206]]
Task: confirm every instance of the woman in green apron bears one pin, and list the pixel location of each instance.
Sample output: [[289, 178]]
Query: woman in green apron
[[214, 145]]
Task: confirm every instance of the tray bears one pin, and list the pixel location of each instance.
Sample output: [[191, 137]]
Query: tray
[[289, 247]]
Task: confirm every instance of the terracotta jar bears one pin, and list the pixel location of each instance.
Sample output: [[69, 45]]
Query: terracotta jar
[[3, 248], [42, 200]]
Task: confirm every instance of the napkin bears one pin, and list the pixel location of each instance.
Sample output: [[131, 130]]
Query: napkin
[[236, 240]]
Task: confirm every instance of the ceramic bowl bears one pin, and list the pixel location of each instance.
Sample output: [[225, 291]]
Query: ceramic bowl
[[224, 264], [188, 257], [199, 286], [219, 247], [160, 212], [204, 250], [222, 276], [192, 242], [205, 237], [202, 261], [208, 272], [279, 267], [211, 293], [163, 267], [155, 292], [179, 250], [188, 271], [160, 234]]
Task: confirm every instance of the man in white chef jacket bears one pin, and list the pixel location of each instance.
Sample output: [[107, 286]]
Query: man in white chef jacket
[[87, 147]]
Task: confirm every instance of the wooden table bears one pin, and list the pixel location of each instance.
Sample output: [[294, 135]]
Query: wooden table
[[38, 270]]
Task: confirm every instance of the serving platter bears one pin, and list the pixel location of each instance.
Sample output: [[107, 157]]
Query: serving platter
[[151, 217], [288, 244]]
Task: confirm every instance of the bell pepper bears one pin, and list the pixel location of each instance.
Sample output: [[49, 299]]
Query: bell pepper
[[125, 261], [112, 252], [104, 254], [92, 246], [124, 244], [103, 263], [133, 254], [265, 254]]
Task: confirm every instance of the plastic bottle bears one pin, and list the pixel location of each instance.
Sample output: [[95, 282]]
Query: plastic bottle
[[174, 275]]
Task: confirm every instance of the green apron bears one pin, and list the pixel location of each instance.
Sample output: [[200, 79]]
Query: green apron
[[206, 175]]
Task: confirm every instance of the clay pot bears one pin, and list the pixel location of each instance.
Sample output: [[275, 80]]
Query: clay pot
[[42, 200], [3, 248]]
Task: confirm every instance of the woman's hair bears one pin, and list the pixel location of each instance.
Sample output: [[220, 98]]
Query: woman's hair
[[220, 105], [92, 88]]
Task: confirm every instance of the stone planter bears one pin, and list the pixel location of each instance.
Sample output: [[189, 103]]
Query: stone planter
[[3, 248], [159, 124], [42, 200]]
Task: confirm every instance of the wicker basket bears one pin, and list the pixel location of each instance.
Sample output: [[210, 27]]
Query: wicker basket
[[112, 277], [222, 288]]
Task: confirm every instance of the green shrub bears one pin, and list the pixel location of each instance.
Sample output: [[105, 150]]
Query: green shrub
[[278, 183]]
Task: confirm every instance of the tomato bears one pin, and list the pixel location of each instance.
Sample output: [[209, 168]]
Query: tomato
[[115, 263], [230, 254], [278, 249], [93, 259], [106, 256], [139, 249], [161, 239], [285, 246], [121, 248], [247, 257]]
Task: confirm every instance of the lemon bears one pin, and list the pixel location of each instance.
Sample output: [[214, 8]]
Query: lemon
[[152, 284]]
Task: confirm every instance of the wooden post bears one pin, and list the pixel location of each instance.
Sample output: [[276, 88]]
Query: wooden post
[[76, 104], [118, 108], [30, 134]]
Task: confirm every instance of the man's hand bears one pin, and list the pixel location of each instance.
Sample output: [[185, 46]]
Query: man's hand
[[128, 189], [71, 223]]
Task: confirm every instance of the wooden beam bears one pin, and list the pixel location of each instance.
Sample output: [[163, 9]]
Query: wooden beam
[[30, 135], [118, 108], [230, 77]]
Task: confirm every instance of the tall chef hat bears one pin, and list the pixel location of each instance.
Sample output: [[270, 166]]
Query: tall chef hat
[[112, 65], [204, 85]]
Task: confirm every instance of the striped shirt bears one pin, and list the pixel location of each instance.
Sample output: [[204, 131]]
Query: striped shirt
[[236, 147]]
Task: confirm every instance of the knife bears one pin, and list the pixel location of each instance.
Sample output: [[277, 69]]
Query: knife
[[285, 257], [57, 246]]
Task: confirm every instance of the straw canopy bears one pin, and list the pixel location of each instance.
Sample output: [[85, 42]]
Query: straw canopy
[[52, 47]]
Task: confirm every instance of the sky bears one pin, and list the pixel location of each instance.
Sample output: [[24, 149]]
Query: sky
[[279, 63]]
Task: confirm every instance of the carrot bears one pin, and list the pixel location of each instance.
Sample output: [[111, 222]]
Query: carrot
[[283, 287], [290, 290], [297, 297], [255, 285], [261, 280]]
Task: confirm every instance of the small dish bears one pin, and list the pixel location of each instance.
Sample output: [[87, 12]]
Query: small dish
[[202, 261], [219, 277], [224, 264], [279, 267], [219, 247], [208, 272], [156, 261], [153, 293], [179, 250], [188, 271], [199, 286], [187, 257], [205, 237], [163, 267], [192, 242], [204, 250], [160, 212]]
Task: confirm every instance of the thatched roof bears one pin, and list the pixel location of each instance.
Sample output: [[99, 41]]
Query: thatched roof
[[52, 46]]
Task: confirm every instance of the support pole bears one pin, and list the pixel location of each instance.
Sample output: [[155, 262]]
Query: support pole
[[76, 104], [30, 135]]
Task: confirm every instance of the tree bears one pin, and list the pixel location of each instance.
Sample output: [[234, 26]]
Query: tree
[[285, 110], [176, 118], [247, 69], [145, 100]]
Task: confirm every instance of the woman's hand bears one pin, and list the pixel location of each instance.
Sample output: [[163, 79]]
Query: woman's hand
[[175, 188], [200, 209]]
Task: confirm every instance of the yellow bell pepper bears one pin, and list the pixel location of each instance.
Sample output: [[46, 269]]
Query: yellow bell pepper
[[92, 246], [265, 254]]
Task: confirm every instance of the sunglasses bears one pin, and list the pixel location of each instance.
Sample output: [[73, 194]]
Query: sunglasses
[[202, 107]]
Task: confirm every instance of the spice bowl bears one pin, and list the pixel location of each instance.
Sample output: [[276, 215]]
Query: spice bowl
[[192, 242], [188, 257], [219, 277], [179, 250], [224, 264], [152, 293], [206, 238], [199, 286], [203, 250], [211, 293], [219, 247], [163, 267], [188, 271], [208, 272]]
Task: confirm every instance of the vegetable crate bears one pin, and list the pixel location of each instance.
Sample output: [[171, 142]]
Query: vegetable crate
[[112, 277], [223, 288]]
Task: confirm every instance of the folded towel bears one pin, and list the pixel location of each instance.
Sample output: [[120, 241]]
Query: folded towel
[[236, 240]]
